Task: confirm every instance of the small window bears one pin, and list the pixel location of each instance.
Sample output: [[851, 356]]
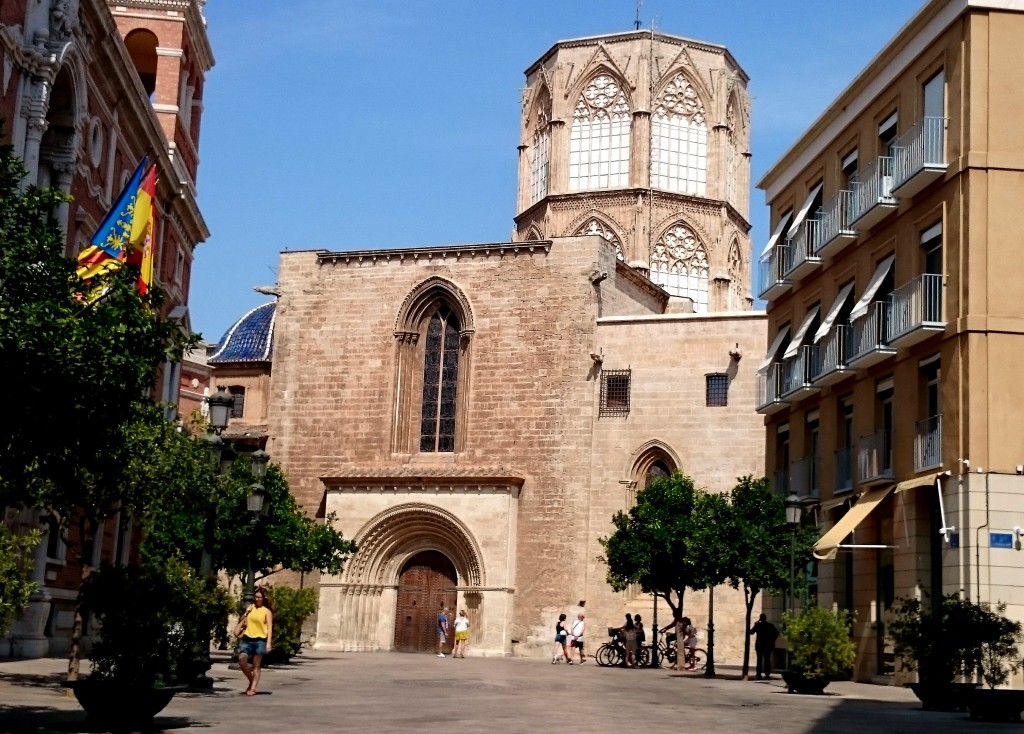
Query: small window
[[615, 392], [716, 390], [238, 407]]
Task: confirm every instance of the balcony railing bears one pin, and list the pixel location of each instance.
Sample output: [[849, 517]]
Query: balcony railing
[[772, 273], [919, 156], [874, 458], [796, 372], [830, 356], [842, 470], [803, 477], [835, 230], [928, 443], [870, 336], [916, 310], [873, 193], [769, 389], [802, 256]]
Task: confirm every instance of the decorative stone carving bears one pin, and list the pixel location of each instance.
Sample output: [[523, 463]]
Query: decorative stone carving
[[596, 226], [602, 99], [679, 99], [63, 19]]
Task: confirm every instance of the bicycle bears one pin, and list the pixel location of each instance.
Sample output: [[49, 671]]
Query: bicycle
[[696, 657]]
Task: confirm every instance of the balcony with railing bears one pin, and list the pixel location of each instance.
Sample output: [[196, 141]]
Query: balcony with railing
[[835, 231], [842, 470], [872, 194], [804, 477], [869, 344], [802, 257], [796, 375], [830, 356], [916, 311], [928, 443], [772, 278], [919, 156], [769, 390], [874, 458]]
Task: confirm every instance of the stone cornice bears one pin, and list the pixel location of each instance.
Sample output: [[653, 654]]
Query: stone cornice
[[639, 279], [444, 252], [408, 479]]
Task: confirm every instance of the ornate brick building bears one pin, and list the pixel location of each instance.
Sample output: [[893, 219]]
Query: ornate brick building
[[87, 89], [474, 415]]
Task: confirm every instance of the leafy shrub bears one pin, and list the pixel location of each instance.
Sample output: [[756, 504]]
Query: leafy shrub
[[819, 641], [291, 607], [1000, 639], [15, 567], [156, 622], [940, 647]]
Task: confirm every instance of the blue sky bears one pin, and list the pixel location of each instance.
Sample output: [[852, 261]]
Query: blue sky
[[356, 124]]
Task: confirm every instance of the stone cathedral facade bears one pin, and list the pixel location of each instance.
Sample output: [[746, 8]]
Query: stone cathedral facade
[[474, 415]]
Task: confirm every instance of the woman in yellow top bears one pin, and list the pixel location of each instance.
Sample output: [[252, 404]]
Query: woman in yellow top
[[257, 632]]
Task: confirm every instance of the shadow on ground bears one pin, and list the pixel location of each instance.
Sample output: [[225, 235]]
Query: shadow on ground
[[39, 719]]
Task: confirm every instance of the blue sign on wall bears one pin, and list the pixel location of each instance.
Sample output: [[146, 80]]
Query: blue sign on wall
[[1000, 540]]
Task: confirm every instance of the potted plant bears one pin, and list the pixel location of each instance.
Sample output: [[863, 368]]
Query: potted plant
[[1000, 656], [819, 647], [152, 619], [939, 643]]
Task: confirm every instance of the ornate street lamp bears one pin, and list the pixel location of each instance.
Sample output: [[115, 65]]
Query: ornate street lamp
[[794, 510], [256, 504], [221, 403], [215, 447], [260, 459]]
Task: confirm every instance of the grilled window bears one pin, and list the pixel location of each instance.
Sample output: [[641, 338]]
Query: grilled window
[[238, 406], [716, 390], [615, 392], [440, 382]]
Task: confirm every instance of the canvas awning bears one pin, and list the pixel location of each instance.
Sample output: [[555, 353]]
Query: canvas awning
[[861, 307], [798, 338], [804, 211], [774, 348], [830, 543], [833, 313], [776, 233], [928, 480]]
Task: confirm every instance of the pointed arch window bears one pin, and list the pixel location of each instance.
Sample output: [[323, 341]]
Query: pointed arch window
[[596, 226], [599, 137], [440, 382], [679, 140], [737, 282], [730, 154], [540, 164], [679, 264]]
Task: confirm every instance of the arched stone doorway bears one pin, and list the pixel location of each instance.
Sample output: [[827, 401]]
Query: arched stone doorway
[[426, 581]]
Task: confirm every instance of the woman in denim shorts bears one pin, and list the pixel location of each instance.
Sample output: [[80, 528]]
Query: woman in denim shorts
[[257, 632]]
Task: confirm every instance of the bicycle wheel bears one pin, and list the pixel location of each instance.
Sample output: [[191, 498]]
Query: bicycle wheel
[[666, 655], [606, 655], [643, 656], [700, 658]]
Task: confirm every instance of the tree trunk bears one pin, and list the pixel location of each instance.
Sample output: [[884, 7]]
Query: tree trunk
[[87, 535], [748, 599]]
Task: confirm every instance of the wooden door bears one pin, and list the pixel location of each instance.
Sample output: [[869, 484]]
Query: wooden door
[[427, 580]]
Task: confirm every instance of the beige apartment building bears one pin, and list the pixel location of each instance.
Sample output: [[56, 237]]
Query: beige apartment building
[[474, 415], [891, 388]]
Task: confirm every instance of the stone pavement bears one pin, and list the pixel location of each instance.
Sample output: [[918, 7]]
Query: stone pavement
[[396, 692]]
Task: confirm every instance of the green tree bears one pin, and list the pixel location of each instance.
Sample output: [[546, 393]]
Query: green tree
[[762, 540], [15, 568], [651, 542], [84, 368]]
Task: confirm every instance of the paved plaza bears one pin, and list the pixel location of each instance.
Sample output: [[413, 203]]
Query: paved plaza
[[395, 692]]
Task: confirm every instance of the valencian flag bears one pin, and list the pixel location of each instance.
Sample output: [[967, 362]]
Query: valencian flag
[[126, 232]]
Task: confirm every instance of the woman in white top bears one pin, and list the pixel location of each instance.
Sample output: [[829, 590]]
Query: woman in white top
[[461, 634]]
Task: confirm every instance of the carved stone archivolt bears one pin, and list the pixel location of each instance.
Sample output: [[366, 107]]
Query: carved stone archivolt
[[602, 99], [423, 297], [679, 99], [679, 251], [596, 226]]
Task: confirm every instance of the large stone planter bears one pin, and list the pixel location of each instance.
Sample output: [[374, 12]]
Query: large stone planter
[[798, 683], [995, 704], [118, 705], [942, 696]]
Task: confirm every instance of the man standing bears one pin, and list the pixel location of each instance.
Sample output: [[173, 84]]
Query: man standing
[[764, 644], [576, 631], [442, 629]]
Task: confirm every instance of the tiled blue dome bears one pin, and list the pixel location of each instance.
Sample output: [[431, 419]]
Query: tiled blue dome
[[251, 339]]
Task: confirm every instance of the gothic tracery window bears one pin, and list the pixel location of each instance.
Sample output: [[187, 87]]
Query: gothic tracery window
[[679, 264], [679, 140], [541, 160], [736, 280], [599, 138], [440, 382], [596, 226], [730, 153]]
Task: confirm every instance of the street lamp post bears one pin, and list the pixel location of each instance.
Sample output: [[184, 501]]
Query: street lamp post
[[794, 509]]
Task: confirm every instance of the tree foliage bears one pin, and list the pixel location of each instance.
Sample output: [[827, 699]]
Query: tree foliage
[[15, 569], [820, 643]]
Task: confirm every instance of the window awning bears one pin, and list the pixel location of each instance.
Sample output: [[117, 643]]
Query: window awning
[[798, 338], [774, 348], [830, 543], [804, 211], [928, 480], [861, 307], [776, 233], [833, 313]]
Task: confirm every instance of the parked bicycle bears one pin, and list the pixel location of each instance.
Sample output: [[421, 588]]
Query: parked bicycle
[[697, 658]]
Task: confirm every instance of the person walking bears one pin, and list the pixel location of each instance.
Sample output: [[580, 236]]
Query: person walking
[[577, 630], [765, 634], [689, 644], [628, 631], [560, 650], [641, 634], [461, 634], [442, 629], [256, 629]]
